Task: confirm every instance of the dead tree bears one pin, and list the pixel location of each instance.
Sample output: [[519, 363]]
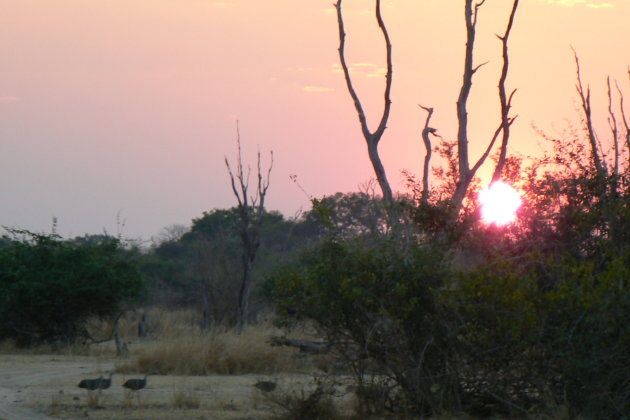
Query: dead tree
[[623, 115], [466, 173], [585, 97], [251, 210], [372, 138], [427, 131], [605, 167]]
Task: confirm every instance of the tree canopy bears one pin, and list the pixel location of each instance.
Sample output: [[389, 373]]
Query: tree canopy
[[49, 286]]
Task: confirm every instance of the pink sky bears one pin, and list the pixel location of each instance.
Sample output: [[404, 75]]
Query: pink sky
[[129, 106]]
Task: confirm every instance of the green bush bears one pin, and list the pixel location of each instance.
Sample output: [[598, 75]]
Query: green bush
[[48, 287], [536, 330], [589, 336], [372, 297], [511, 337]]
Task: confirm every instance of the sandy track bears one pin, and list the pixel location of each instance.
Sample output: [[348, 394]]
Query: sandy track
[[36, 387], [21, 379]]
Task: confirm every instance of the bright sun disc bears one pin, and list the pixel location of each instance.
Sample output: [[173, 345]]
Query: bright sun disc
[[499, 203]]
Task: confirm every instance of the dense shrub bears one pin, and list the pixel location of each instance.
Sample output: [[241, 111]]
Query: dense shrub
[[589, 336], [48, 286], [510, 337], [372, 298]]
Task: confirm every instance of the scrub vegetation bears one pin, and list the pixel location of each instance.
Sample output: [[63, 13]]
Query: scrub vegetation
[[424, 318], [394, 305]]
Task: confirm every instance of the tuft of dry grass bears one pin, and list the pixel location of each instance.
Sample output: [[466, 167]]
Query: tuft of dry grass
[[304, 405], [185, 398], [223, 352], [92, 400]]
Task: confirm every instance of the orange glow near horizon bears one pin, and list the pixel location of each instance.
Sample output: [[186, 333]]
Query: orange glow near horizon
[[129, 107], [499, 203]]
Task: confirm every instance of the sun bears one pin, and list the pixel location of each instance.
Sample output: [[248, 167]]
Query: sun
[[499, 203]]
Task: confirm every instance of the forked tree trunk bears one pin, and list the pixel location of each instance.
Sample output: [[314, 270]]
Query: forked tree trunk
[[251, 219], [372, 138]]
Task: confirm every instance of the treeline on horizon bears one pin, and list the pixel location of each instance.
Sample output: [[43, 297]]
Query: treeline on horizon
[[434, 314]]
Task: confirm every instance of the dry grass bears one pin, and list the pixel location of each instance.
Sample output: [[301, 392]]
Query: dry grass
[[176, 345], [186, 398], [219, 352], [313, 404]]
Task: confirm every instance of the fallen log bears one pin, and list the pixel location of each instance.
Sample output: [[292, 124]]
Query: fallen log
[[306, 347]]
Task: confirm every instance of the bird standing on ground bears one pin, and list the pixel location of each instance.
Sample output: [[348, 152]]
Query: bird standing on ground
[[91, 384], [136, 384], [265, 386], [105, 383]]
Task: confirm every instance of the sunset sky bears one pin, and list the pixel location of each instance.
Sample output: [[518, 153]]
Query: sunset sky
[[129, 107]]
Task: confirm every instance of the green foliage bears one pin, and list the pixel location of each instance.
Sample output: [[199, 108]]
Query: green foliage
[[48, 287], [372, 297], [536, 329], [589, 335], [345, 215], [204, 266], [496, 320]]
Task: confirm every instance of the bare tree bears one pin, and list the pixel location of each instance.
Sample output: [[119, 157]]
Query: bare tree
[[372, 138], [427, 131], [251, 210], [614, 128], [585, 97], [466, 173], [623, 115], [617, 123]]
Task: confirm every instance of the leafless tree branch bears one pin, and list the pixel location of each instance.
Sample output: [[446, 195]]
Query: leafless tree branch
[[426, 132], [462, 112], [250, 210], [623, 115], [477, 7], [586, 107], [372, 138], [612, 122], [479, 66], [486, 153], [466, 173], [506, 103]]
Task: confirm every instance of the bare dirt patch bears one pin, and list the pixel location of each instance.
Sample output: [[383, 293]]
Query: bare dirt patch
[[40, 387]]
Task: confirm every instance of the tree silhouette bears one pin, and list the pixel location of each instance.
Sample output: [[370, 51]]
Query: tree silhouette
[[250, 210]]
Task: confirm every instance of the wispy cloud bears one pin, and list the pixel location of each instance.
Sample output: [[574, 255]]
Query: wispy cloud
[[593, 4], [600, 5], [329, 10], [366, 69], [316, 89], [368, 65], [8, 98]]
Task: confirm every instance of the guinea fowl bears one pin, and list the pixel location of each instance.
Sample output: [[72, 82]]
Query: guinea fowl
[[136, 384], [105, 383], [91, 384]]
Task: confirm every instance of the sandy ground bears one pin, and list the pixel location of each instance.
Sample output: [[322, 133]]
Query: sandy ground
[[39, 387]]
